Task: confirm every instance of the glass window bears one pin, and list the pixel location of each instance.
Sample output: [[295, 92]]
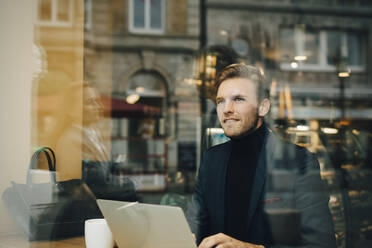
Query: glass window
[[55, 12], [302, 49], [355, 49], [311, 47], [45, 10], [299, 46], [138, 118], [63, 8], [333, 46], [147, 16], [345, 44], [156, 14], [139, 13], [287, 45]]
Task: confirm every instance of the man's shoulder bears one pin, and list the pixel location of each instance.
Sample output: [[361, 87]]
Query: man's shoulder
[[280, 142], [297, 156]]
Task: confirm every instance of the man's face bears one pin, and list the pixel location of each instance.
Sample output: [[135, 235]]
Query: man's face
[[92, 106], [237, 107]]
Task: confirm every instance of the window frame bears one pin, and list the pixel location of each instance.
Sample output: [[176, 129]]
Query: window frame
[[53, 22], [147, 28], [322, 64]]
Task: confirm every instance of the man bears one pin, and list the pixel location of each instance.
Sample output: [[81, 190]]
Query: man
[[256, 190]]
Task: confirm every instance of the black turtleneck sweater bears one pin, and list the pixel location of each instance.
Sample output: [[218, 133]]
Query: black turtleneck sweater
[[239, 180]]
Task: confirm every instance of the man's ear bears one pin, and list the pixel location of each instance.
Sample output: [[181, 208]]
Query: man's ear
[[264, 107]]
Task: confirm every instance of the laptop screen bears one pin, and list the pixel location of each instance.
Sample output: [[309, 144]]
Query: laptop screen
[[147, 225]]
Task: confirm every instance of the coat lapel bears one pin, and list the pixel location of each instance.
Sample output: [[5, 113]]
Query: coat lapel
[[264, 162], [221, 181]]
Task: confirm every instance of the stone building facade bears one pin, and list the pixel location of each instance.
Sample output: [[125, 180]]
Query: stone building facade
[[152, 61]]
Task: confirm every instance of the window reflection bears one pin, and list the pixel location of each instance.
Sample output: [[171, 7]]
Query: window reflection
[[350, 42], [146, 16], [71, 132], [313, 49], [156, 13], [55, 12], [45, 10], [148, 112], [63, 10], [139, 14]]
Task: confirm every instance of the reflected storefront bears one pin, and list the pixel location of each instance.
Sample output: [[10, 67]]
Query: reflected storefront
[[124, 93]]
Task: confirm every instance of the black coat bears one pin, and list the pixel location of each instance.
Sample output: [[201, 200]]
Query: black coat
[[287, 187]]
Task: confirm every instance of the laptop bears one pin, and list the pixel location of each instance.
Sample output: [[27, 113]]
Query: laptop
[[142, 225]]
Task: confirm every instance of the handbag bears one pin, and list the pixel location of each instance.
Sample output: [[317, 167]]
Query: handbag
[[51, 210]]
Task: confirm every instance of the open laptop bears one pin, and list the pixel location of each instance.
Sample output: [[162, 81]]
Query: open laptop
[[146, 225]]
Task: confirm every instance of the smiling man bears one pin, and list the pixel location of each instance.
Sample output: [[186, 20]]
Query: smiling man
[[238, 107], [237, 201]]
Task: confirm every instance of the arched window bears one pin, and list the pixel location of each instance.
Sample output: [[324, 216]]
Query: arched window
[[147, 89], [147, 84]]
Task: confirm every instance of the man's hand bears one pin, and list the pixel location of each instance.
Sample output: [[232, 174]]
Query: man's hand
[[223, 241]]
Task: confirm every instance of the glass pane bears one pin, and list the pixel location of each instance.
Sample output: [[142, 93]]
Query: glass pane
[[88, 13], [311, 47], [139, 13], [287, 46], [156, 14], [63, 10], [354, 49], [45, 10], [134, 118], [333, 47]]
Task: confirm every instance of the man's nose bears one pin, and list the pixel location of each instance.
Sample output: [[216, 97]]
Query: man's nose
[[229, 107]]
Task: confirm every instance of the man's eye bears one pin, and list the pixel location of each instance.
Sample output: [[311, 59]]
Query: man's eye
[[219, 102], [239, 99]]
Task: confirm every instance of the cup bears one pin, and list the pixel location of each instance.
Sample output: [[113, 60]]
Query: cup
[[98, 234]]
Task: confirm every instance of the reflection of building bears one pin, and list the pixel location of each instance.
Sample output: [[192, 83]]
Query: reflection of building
[[302, 46], [141, 52], [58, 57]]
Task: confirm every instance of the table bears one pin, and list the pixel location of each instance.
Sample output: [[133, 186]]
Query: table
[[19, 241]]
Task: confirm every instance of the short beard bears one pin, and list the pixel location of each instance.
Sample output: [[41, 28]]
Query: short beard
[[252, 129]]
